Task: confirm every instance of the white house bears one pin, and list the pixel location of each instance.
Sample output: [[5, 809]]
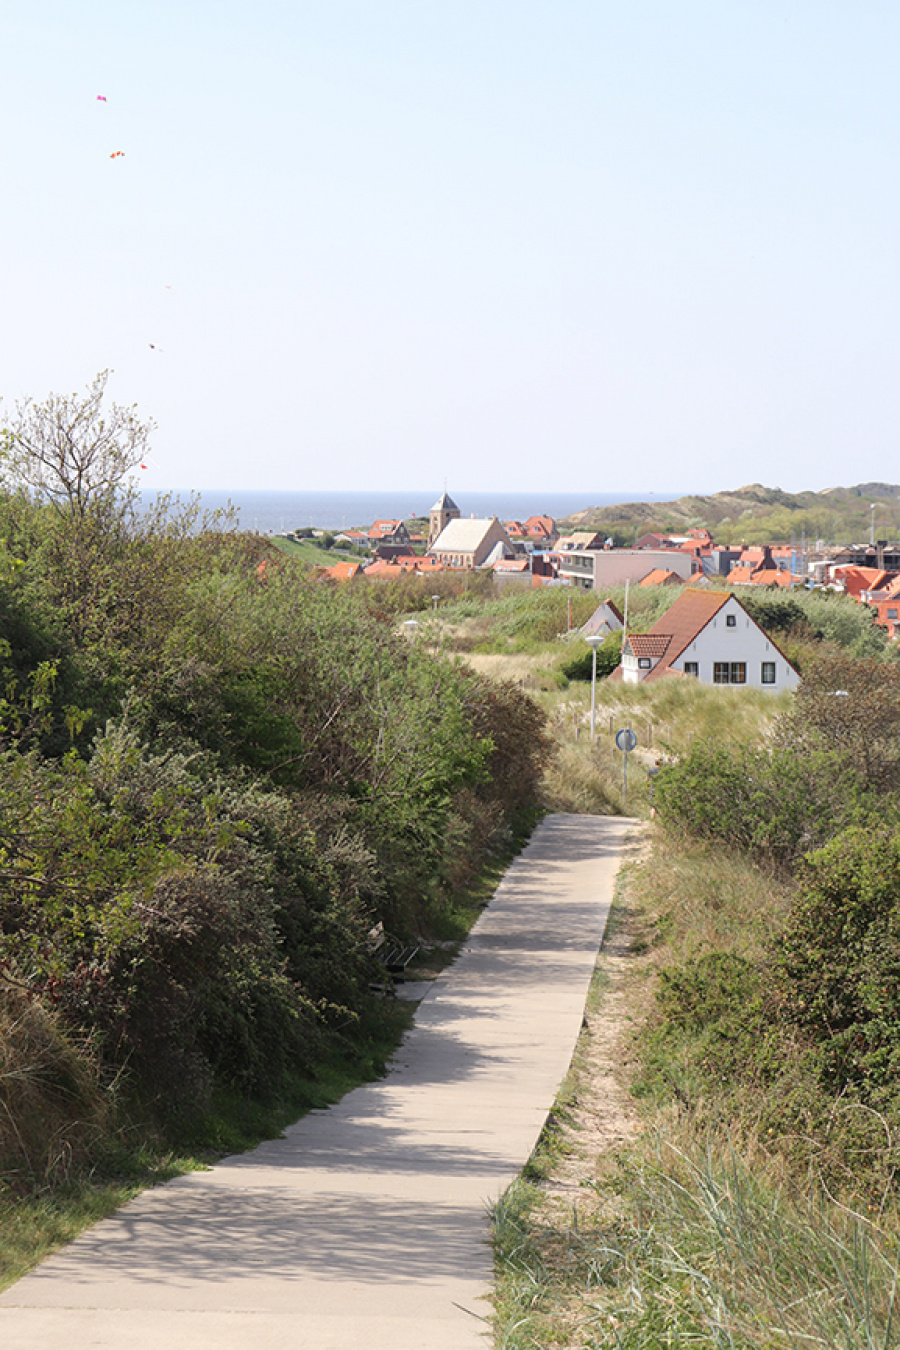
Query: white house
[[710, 636], [605, 619]]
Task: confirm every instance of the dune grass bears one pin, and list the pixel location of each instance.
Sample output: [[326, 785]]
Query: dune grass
[[696, 1245], [713, 1229]]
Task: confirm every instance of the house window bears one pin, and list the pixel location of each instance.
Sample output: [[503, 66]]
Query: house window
[[731, 621], [643, 663], [692, 668], [768, 672], [892, 613], [729, 672]]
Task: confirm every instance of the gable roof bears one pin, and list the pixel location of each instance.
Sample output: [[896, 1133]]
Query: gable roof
[[385, 528], [463, 536], [649, 644], [859, 579], [889, 591], [579, 540], [682, 623], [660, 576], [344, 571], [540, 526], [600, 617], [678, 627]]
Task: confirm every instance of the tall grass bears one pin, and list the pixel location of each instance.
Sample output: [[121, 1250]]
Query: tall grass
[[52, 1107], [705, 1248]]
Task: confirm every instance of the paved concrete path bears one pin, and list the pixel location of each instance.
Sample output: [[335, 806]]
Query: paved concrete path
[[366, 1225]]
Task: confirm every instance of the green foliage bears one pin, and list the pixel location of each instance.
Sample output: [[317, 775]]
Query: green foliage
[[774, 802], [608, 656], [216, 775], [840, 961], [846, 623], [777, 614], [851, 706]]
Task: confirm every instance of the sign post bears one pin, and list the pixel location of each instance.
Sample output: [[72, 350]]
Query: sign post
[[625, 741]]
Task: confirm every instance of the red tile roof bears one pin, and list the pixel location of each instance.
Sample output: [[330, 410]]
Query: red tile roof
[[385, 569], [660, 576], [681, 623], [859, 579], [344, 571], [649, 644]]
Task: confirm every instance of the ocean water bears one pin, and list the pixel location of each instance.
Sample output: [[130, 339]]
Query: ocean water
[[276, 512]]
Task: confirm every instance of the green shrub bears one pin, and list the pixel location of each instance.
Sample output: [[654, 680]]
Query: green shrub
[[774, 803], [840, 959], [609, 654]]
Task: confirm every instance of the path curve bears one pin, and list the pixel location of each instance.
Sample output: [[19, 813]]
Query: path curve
[[366, 1224]]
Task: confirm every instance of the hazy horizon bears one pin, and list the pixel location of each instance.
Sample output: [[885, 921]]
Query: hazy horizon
[[494, 242]]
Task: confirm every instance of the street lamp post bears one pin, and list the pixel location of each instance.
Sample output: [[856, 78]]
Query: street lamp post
[[594, 641]]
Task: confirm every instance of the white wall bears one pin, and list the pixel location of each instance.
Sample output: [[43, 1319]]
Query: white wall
[[745, 642]]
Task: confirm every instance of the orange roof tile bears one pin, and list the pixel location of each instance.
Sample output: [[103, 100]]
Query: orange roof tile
[[660, 576], [344, 571], [382, 568], [691, 612], [649, 644]]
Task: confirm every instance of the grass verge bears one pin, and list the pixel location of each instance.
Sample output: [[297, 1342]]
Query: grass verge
[[704, 1232]]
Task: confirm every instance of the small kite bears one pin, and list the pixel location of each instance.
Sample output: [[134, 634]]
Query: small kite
[[117, 154], [101, 98], [153, 347]]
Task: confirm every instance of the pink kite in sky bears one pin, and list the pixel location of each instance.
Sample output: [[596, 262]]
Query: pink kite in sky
[[101, 98]]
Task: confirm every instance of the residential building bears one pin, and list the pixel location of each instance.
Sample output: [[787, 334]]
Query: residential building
[[662, 576], [579, 541], [886, 604], [599, 569], [606, 619], [710, 636], [541, 530], [388, 532]]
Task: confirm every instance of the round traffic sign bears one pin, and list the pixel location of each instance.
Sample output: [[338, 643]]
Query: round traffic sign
[[626, 739]]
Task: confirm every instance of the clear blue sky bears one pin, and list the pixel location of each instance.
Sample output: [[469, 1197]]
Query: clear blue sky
[[544, 245]]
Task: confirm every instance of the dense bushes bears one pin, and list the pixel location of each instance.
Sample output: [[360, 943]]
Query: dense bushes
[[775, 803], [609, 654], [797, 1036], [216, 775], [840, 961]]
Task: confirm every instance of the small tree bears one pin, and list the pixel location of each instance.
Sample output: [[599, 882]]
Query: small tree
[[73, 453]]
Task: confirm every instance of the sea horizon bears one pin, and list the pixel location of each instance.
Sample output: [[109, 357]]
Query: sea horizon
[[279, 512]]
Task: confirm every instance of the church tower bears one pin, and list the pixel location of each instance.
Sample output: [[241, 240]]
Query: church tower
[[440, 515]]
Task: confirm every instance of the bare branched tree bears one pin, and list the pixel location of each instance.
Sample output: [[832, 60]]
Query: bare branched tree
[[72, 452]]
